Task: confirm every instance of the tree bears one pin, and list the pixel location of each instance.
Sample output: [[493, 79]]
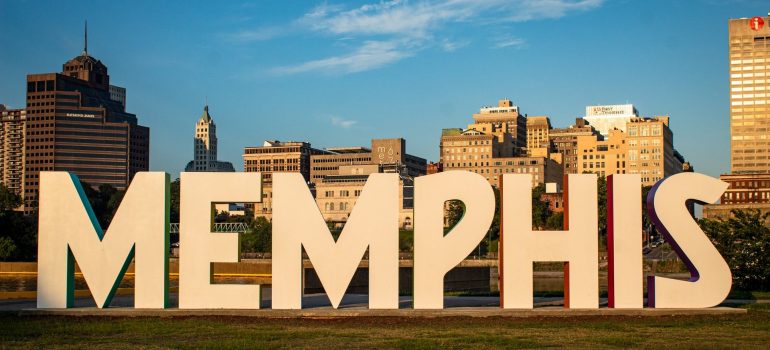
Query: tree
[[744, 242], [541, 210], [555, 222], [601, 186], [258, 239], [455, 211], [18, 233], [8, 199], [7, 248], [174, 215]]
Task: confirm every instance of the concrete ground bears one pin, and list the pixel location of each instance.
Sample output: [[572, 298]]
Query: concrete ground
[[318, 306]]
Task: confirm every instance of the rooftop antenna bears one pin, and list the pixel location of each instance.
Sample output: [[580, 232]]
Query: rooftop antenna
[[85, 42]]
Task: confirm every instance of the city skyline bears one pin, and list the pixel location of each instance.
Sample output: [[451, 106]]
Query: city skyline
[[328, 77]]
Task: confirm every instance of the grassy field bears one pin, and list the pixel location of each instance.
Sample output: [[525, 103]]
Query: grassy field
[[751, 330]]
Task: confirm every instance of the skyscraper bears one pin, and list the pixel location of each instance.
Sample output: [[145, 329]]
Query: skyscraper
[[205, 147], [74, 124], [749, 180], [749, 45]]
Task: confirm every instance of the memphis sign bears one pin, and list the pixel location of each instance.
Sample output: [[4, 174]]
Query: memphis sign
[[69, 232]]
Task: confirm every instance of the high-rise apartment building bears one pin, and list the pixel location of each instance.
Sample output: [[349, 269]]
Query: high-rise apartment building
[[75, 125], [13, 124], [205, 147], [749, 47]]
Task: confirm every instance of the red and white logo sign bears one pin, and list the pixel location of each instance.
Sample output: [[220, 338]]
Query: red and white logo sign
[[756, 23]]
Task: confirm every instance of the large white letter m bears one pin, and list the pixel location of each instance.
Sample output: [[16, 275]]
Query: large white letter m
[[69, 231]]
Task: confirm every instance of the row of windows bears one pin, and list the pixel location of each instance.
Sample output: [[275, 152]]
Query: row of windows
[[644, 131], [40, 96], [40, 86], [343, 206], [749, 137], [342, 193], [276, 168], [738, 159], [750, 165], [749, 61], [744, 197], [262, 150], [748, 68], [466, 143], [750, 88], [757, 82], [506, 170], [272, 161], [759, 95], [323, 159], [749, 184], [113, 156], [747, 75], [750, 102], [475, 157], [80, 140]]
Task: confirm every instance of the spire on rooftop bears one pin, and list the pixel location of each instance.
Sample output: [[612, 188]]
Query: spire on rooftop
[[206, 117], [85, 41]]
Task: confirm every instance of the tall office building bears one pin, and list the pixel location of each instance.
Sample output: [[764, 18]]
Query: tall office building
[[749, 180], [645, 148], [75, 125], [494, 145], [507, 126], [205, 147], [13, 124], [749, 95]]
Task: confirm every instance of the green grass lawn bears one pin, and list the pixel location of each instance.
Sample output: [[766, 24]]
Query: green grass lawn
[[751, 330]]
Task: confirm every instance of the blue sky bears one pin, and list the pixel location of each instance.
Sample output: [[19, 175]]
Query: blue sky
[[341, 73]]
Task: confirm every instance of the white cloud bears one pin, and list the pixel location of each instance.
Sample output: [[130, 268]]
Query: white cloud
[[342, 123], [451, 46], [417, 19], [544, 9], [509, 42], [392, 18], [389, 31], [371, 55]]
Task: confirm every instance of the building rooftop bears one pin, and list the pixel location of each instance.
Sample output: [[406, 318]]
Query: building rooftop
[[346, 150], [205, 116]]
